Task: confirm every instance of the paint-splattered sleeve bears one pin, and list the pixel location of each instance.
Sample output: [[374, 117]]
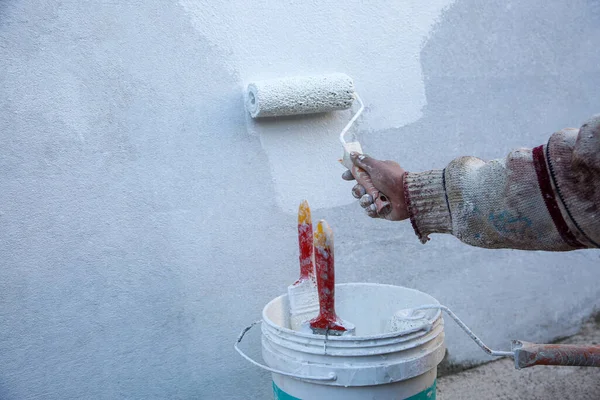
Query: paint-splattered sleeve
[[547, 198]]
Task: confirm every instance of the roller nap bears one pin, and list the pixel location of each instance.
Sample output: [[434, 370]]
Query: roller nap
[[300, 95]]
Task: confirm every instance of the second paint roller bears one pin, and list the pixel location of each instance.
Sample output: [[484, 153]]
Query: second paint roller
[[302, 95]]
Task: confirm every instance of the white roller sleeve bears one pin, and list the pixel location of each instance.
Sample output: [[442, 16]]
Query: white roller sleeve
[[300, 95]]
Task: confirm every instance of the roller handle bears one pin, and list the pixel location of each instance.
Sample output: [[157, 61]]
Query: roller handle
[[381, 201], [382, 204], [529, 354]]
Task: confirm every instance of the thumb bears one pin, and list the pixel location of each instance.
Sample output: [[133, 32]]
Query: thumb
[[363, 161]]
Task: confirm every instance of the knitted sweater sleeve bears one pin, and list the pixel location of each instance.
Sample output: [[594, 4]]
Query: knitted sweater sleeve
[[546, 198]]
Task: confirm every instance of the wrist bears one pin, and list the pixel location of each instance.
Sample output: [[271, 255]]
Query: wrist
[[425, 198]]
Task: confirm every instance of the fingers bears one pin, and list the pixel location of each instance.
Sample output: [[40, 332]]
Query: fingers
[[372, 211], [376, 204], [347, 175], [363, 178], [358, 191], [366, 200]]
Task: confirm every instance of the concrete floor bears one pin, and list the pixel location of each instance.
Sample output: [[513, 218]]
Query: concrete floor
[[500, 380]]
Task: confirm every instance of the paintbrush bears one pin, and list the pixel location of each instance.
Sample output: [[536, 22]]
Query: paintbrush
[[327, 322], [302, 295]]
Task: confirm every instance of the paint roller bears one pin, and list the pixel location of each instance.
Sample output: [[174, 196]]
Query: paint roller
[[303, 95], [525, 354]]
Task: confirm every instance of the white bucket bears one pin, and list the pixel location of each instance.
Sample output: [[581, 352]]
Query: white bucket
[[374, 364]]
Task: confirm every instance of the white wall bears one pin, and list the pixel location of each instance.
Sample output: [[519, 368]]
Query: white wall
[[144, 220]]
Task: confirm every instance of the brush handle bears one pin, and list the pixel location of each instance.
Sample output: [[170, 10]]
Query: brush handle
[[305, 242], [325, 268], [327, 320]]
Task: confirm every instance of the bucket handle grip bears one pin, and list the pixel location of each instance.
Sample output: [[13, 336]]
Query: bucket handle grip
[[332, 376]]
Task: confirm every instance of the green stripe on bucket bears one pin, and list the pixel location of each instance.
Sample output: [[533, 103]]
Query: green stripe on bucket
[[281, 395], [427, 394]]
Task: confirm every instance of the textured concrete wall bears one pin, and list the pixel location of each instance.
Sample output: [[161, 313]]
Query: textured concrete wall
[[144, 220]]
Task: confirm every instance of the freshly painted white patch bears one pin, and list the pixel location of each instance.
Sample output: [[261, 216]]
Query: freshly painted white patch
[[377, 45], [303, 153]]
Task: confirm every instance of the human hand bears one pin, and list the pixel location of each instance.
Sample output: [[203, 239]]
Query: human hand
[[387, 177]]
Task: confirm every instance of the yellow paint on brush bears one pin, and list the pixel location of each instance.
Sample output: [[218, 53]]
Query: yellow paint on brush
[[323, 235], [304, 216]]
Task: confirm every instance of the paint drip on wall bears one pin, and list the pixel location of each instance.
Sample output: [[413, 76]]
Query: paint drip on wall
[[266, 40]]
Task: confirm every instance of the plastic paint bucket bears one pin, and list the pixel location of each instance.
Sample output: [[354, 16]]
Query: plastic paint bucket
[[374, 364]]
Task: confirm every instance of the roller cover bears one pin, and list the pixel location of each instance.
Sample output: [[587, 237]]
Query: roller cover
[[299, 95]]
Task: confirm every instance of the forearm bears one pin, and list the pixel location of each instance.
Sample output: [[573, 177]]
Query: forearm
[[482, 205], [508, 203]]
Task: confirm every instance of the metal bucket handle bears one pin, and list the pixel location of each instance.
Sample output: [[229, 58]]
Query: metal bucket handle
[[332, 376]]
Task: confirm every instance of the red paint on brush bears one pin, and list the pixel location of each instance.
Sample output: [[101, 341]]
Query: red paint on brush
[[305, 242], [325, 271]]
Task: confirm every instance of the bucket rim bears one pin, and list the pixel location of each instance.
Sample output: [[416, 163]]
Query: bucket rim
[[385, 335]]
